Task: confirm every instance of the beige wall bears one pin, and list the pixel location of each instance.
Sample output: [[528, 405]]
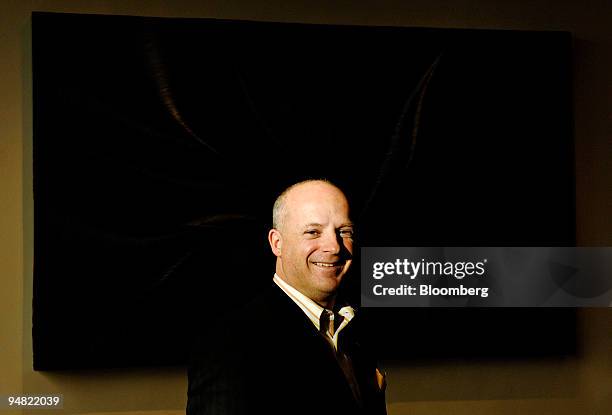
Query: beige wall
[[581, 385]]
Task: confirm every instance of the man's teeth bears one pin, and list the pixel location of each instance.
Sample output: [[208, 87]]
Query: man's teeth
[[325, 264]]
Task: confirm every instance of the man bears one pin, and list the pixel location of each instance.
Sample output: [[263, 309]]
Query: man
[[294, 350]]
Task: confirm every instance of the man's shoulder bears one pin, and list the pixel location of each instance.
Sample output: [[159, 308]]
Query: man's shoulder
[[262, 305], [256, 315], [227, 334]]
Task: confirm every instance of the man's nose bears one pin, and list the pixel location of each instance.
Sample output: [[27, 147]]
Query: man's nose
[[331, 243]]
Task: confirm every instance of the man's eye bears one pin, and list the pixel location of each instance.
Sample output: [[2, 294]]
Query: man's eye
[[346, 233], [312, 232]]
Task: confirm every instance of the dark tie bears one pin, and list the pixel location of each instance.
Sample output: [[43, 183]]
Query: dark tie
[[343, 359]]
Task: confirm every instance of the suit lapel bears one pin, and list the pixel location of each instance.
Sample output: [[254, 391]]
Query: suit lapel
[[317, 356]]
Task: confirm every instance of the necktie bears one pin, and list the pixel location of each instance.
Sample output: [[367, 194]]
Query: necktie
[[328, 325]]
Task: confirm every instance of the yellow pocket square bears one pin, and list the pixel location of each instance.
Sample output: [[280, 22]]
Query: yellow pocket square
[[381, 380]]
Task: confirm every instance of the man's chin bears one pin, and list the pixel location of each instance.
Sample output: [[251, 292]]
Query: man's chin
[[327, 272], [329, 281]]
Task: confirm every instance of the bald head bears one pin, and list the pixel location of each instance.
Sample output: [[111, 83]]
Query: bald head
[[306, 187]]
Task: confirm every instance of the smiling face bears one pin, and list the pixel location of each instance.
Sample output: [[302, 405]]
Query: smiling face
[[314, 245]]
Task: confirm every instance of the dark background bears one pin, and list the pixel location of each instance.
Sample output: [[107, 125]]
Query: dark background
[[160, 144]]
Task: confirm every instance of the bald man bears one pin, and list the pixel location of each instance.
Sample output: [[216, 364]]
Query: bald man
[[295, 349]]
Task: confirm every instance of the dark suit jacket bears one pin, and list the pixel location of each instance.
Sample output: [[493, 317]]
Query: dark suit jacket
[[268, 358]]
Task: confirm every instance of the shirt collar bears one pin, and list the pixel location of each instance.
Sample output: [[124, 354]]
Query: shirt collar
[[310, 307]]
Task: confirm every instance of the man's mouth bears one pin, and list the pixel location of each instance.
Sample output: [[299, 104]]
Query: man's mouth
[[328, 264]]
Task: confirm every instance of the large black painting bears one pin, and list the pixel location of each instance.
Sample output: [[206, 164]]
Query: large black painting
[[159, 145]]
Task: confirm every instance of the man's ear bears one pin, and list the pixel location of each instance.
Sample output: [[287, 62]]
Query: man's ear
[[276, 241]]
